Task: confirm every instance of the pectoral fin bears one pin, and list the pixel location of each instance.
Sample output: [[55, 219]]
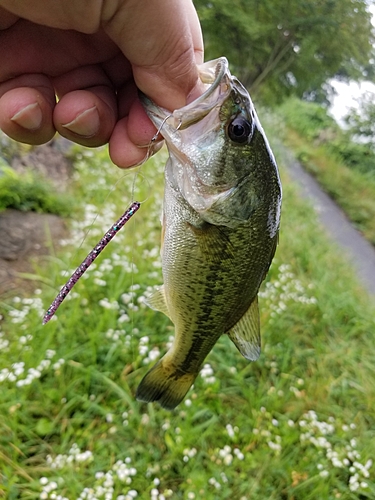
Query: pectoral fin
[[157, 300], [246, 333], [213, 242]]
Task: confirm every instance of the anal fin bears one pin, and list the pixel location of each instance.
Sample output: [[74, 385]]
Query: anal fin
[[245, 334]]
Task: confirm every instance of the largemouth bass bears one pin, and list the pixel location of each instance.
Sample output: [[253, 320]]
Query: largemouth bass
[[220, 228]]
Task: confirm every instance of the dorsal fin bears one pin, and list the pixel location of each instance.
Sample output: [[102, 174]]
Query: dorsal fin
[[246, 333]]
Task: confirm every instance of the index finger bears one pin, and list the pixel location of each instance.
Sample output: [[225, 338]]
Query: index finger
[[162, 40]]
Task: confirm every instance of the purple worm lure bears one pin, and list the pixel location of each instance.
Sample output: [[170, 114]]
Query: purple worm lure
[[111, 233]]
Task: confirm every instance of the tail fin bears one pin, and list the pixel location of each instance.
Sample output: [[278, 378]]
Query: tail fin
[[166, 384]]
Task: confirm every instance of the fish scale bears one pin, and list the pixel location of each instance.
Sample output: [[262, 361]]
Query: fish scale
[[220, 228]]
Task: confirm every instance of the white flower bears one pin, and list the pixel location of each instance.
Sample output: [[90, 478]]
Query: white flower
[[230, 430]]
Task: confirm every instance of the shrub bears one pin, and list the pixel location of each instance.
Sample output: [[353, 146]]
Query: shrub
[[312, 122], [31, 192], [354, 154], [308, 118]]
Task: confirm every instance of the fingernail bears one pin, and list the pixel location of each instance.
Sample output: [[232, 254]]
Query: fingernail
[[30, 117], [85, 124]]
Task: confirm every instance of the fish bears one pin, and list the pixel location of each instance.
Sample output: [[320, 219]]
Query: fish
[[220, 226]]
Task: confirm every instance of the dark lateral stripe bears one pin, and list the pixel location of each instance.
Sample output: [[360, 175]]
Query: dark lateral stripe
[[200, 346]]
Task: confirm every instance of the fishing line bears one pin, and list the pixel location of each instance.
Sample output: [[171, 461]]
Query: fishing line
[[88, 230], [152, 148]]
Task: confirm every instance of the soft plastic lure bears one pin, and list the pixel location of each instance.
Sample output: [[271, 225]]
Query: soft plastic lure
[[109, 235]]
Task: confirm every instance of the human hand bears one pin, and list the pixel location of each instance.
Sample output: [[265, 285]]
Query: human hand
[[93, 56]]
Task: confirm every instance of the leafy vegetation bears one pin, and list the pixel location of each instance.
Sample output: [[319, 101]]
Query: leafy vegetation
[[344, 168], [297, 424], [310, 119], [30, 192], [312, 122], [289, 48], [361, 120]]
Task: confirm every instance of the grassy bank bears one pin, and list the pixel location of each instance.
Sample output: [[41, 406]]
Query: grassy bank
[[343, 168], [297, 424], [352, 190]]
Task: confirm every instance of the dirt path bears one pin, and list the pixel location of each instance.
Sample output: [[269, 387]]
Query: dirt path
[[359, 251]]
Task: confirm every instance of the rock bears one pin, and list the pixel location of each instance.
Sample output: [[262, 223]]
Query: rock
[[25, 235], [48, 160]]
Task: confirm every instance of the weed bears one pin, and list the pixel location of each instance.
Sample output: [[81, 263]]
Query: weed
[[30, 192]]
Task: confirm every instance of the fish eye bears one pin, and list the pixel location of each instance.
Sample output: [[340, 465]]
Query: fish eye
[[240, 130]]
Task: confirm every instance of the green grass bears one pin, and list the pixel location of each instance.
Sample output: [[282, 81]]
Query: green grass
[[298, 424]]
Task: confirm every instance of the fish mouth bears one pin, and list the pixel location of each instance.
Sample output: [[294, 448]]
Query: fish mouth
[[203, 113], [216, 76]]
